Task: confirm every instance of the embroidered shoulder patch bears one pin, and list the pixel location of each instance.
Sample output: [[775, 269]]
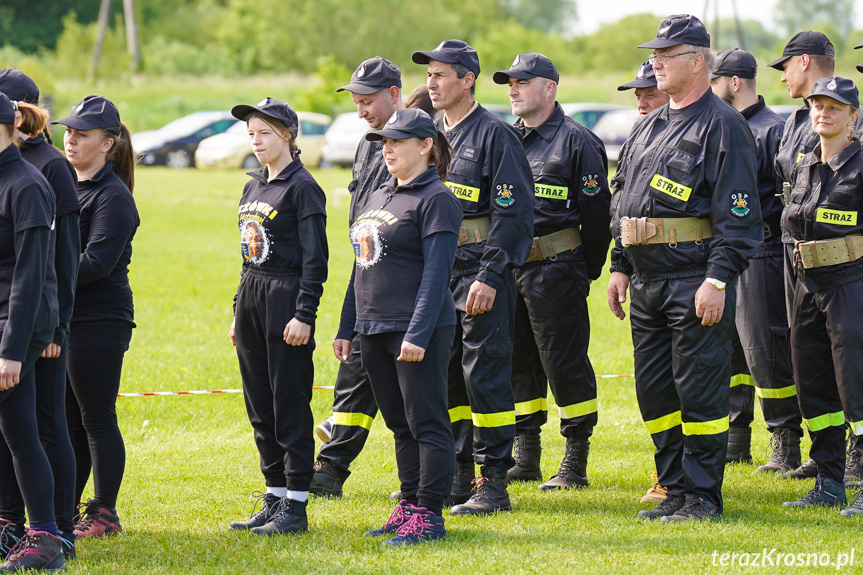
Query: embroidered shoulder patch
[[505, 197], [591, 184], [740, 204]]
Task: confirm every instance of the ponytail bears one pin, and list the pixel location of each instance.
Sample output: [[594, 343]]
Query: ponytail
[[121, 156], [440, 155], [34, 119]]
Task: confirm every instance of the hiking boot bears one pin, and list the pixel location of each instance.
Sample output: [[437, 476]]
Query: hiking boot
[[856, 509], [269, 505], [695, 509], [573, 468], [96, 520], [526, 450], [785, 456], [37, 550], [423, 525], [289, 519], [324, 430], [739, 440], [68, 542], [10, 534], [462, 484], [400, 515], [670, 505], [396, 495], [807, 470], [657, 493], [327, 481], [853, 465], [489, 494], [826, 493]]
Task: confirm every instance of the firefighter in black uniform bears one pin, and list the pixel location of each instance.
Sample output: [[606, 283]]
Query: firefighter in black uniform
[[761, 358], [489, 173], [552, 327], [825, 219], [647, 96], [807, 57], [375, 88], [688, 221]]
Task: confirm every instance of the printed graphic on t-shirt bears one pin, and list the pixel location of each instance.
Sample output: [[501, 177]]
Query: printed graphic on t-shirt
[[254, 238], [368, 241]]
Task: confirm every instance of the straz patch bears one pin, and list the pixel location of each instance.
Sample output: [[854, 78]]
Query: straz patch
[[670, 187], [836, 217], [505, 197], [463, 192], [551, 192], [740, 204], [591, 184]]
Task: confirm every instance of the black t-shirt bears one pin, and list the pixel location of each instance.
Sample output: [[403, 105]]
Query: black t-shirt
[[56, 169]]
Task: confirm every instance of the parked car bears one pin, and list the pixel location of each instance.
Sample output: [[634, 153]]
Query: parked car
[[588, 114], [342, 139], [174, 144], [503, 111], [613, 128], [784, 110], [232, 150]]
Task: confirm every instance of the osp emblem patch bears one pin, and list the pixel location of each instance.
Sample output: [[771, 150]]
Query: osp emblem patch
[[591, 185], [505, 197], [739, 204]]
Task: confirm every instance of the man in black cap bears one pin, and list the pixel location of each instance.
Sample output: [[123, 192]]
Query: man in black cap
[[489, 173], [807, 57], [689, 221], [552, 326], [375, 88], [761, 357], [647, 96]]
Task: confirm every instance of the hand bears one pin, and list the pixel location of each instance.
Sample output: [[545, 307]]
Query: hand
[[343, 349], [617, 293], [232, 333], [297, 333], [52, 351], [411, 352], [709, 303], [10, 373], [480, 298]]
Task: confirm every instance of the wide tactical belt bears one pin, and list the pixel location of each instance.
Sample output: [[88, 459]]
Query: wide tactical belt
[[644, 231], [474, 230], [547, 247], [821, 253]]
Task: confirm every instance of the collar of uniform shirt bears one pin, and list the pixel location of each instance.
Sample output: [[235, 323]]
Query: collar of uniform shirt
[[836, 162], [469, 112], [547, 129]]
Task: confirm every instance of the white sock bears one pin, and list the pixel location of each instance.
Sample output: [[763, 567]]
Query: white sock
[[278, 491], [298, 495]]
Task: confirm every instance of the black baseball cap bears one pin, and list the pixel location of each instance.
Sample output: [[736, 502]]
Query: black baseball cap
[[450, 52], [407, 123], [90, 113], [18, 86], [679, 29], [644, 78], [840, 89], [526, 66], [374, 75], [7, 110], [271, 107], [809, 42], [735, 62]]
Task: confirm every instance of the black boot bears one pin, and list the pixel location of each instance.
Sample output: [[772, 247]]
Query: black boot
[[526, 450], [462, 484], [786, 452], [739, 440], [327, 481], [290, 518], [573, 468], [807, 470], [854, 463], [269, 506], [489, 494]]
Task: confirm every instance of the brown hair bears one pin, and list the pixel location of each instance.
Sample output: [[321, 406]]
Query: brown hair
[[121, 155], [419, 98], [34, 119], [281, 129], [440, 155]]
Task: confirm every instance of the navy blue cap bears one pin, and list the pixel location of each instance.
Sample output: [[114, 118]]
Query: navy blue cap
[[18, 86], [526, 66], [403, 124], [735, 62], [90, 113], [679, 29], [450, 52], [840, 89], [269, 107], [374, 75], [809, 42], [7, 110], [644, 78]]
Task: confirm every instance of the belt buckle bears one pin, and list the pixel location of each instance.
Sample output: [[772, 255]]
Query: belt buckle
[[636, 230]]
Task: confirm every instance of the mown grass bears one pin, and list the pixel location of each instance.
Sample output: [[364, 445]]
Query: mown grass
[[192, 463]]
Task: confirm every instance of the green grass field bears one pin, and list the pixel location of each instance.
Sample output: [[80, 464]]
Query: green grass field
[[192, 464]]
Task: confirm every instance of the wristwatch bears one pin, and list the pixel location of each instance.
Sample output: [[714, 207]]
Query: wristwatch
[[720, 285]]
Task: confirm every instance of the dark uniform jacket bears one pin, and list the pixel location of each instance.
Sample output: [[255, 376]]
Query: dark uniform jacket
[[490, 175], [827, 202], [570, 171], [369, 174], [767, 126], [699, 162], [798, 139]]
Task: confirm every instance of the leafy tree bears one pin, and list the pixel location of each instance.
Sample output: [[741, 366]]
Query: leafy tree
[[548, 15], [797, 15], [30, 25]]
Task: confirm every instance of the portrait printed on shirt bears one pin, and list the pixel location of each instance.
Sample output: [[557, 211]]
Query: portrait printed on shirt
[[254, 237], [368, 241]]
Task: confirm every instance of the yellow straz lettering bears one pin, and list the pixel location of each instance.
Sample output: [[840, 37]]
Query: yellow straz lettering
[[670, 187], [553, 192], [839, 218], [463, 192]]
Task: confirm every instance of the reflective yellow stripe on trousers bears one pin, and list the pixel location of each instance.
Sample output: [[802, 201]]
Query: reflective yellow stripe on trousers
[[578, 409], [459, 413], [836, 419], [742, 379], [705, 427], [663, 423], [780, 393], [353, 419], [532, 406], [499, 419]]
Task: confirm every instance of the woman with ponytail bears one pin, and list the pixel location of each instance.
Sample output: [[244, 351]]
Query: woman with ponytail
[[98, 146]]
